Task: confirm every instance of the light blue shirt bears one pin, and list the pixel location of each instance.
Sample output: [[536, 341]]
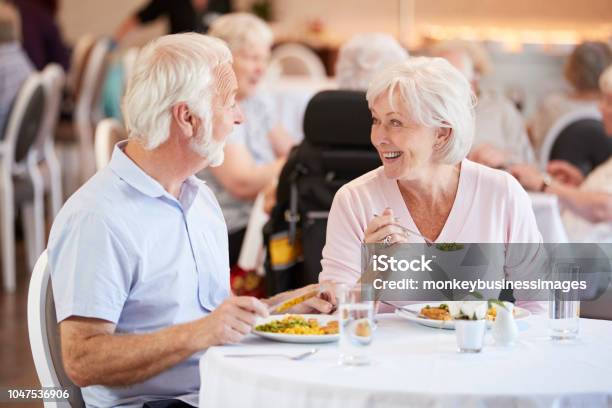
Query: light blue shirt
[[124, 250]]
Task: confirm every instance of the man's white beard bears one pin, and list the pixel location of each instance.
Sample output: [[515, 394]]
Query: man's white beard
[[210, 149]]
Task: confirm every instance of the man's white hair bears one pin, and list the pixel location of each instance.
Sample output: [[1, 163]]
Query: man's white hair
[[605, 80], [363, 56], [169, 70], [434, 94], [241, 30]]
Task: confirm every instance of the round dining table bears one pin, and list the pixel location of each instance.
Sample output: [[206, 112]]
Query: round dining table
[[417, 366]]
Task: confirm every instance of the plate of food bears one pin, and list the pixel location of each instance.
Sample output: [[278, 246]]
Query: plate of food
[[293, 328], [438, 315]]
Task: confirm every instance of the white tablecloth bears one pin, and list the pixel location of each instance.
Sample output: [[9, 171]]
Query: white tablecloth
[[419, 366], [548, 217]]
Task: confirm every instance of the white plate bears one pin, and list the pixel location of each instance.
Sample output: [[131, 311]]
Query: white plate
[[299, 338], [519, 314]]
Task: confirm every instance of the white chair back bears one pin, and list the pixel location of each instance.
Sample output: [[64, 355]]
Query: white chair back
[[108, 133], [87, 110], [54, 80], [558, 127], [25, 122], [20, 179], [295, 60], [44, 337]]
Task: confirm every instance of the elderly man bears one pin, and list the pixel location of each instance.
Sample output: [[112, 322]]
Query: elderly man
[[15, 67], [138, 255]]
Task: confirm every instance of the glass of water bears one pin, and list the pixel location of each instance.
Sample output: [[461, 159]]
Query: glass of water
[[564, 306], [356, 317]]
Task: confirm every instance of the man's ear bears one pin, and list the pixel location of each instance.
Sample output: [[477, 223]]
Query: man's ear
[[185, 120]]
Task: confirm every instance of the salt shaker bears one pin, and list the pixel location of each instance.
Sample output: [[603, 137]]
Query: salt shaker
[[505, 330]]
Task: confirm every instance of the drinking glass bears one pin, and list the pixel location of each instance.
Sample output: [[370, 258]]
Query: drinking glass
[[564, 307], [356, 317]]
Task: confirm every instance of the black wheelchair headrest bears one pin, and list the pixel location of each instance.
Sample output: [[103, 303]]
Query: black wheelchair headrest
[[338, 119]]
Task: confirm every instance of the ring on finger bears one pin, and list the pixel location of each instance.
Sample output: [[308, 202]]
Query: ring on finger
[[387, 241]]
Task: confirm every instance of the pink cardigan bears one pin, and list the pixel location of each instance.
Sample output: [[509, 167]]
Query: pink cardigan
[[490, 207]]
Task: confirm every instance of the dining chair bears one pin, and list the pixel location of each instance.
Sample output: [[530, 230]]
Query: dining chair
[[555, 130], [44, 337], [87, 110], [21, 184], [108, 133], [295, 59], [53, 80]]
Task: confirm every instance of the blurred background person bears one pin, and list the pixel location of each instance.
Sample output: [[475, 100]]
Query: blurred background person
[[588, 201], [364, 55], [15, 67], [41, 34], [582, 71], [359, 59], [500, 136], [183, 15], [256, 150]]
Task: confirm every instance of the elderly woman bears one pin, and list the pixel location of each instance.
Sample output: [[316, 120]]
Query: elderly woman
[[423, 127], [582, 71], [365, 55], [588, 201], [500, 135], [255, 152]]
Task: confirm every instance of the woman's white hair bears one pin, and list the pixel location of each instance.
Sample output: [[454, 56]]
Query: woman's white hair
[[605, 80], [171, 69], [363, 56], [434, 94], [241, 30]]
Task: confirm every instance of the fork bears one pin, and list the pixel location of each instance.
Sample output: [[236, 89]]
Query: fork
[[294, 358], [410, 231]]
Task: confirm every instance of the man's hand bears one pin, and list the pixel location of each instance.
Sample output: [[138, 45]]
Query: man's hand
[[229, 323], [324, 302], [565, 173]]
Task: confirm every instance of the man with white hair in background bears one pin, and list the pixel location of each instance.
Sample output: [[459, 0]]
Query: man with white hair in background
[[15, 67], [138, 255], [363, 56], [500, 137]]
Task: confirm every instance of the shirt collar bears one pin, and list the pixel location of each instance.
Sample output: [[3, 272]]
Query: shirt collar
[[129, 172]]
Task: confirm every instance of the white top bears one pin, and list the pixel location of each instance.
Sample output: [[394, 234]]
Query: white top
[[581, 230], [416, 366], [490, 207], [499, 124]]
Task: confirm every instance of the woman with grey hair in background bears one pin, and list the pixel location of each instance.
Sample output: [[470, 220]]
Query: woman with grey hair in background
[[256, 150], [423, 128], [365, 55]]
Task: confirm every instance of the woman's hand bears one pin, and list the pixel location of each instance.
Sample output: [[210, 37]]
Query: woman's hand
[[529, 176], [384, 229], [565, 173]]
